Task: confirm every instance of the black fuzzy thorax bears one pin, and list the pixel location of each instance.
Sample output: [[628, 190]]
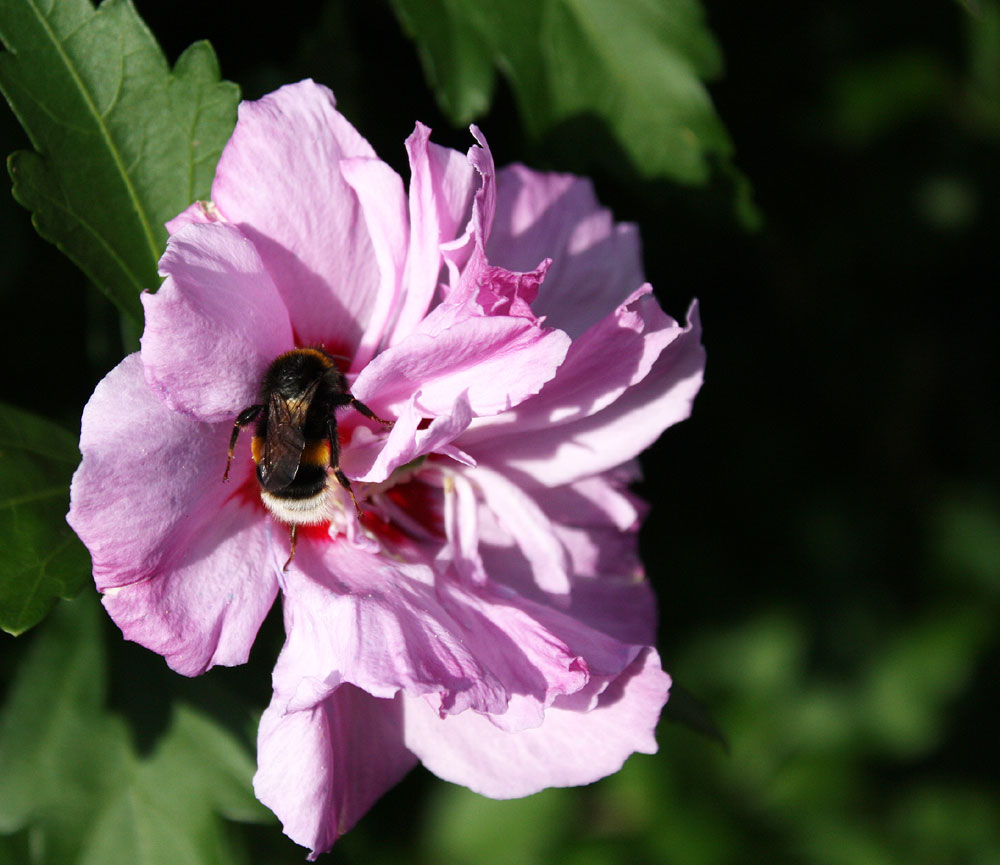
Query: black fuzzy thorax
[[290, 377]]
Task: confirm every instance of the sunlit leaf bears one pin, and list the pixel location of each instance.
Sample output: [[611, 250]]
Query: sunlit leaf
[[639, 66], [122, 142], [457, 60]]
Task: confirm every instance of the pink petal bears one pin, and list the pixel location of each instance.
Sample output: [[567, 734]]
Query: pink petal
[[198, 212], [485, 202], [505, 292], [279, 180], [180, 555], [442, 184], [466, 256], [207, 606], [620, 605], [568, 749], [596, 262], [376, 623], [596, 524], [383, 626], [380, 192], [322, 768], [529, 527], [377, 459], [497, 362], [612, 356], [461, 519], [576, 449], [214, 326]]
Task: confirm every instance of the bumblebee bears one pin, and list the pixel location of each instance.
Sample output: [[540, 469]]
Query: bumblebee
[[295, 445]]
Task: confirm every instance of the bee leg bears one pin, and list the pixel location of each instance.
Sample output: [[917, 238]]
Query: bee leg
[[294, 534], [346, 484], [248, 415], [367, 412]]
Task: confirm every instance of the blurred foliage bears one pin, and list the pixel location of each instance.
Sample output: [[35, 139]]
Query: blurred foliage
[[72, 782], [42, 559], [825, 531]]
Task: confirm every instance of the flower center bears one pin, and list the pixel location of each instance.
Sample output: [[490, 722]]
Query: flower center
[[407, 509]]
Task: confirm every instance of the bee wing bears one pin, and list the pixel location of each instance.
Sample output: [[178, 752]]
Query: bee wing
[[285, 441]]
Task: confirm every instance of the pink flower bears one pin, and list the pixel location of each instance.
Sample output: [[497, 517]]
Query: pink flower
[[488, 616]]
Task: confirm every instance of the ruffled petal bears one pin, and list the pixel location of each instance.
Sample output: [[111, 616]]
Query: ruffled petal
[[569, 748], [322, 768], [375, 460], [214, 326], [384, 627], [442, 183], [279, 180], [496, 361], [180, 556], [613, 355], [575, 449], [465, 257], [597, 263], [362, 618]]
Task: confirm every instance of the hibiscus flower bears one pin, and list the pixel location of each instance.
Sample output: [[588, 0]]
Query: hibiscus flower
[[487, 615]]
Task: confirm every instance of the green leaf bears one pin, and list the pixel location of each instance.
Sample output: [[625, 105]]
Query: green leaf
[[71, 777], [637, 65], [456, 59], [465, 828], [923, 668], [42, 559], [122, 144]]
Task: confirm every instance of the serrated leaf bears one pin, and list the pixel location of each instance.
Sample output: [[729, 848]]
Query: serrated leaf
[[42, 559], [168, 812], [122, 143], [71, 777], [638, 65]]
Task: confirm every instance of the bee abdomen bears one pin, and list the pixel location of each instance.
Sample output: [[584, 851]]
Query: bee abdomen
[[309, 480]]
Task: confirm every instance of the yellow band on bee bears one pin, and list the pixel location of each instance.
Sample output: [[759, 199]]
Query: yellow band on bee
[[316, 453]]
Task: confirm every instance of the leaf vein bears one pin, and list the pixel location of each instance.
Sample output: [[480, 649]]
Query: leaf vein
[[37, 496], [110, 250], [105, 132], [42, 564]]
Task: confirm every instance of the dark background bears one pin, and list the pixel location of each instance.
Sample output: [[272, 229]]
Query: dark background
[[825, 532]]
